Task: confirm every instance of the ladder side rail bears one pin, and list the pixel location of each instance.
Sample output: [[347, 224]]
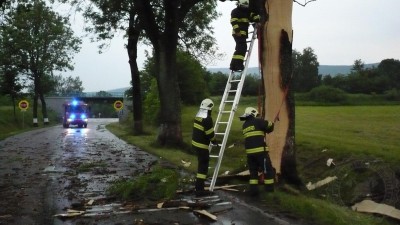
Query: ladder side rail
[[233, 110], [221, 153], [222, 106]]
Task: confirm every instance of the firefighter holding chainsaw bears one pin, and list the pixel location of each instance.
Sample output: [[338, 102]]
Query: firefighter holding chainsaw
[[203, 134], [254, 130]]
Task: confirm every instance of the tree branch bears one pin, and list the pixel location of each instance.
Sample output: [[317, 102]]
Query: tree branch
[[305, 2]]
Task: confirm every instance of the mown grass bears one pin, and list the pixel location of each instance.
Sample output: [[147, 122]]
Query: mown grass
[[348, 130], [11, 124], [342, 132]]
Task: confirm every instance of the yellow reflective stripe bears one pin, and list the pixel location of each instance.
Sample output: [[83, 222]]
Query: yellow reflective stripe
[[254, 150], [199, 145], [238, 57], [256, 17], [243, 20], [198, 126], [239, 20], [253, 133], [201, 176], [268, 181], [209, 131], [253, 181]]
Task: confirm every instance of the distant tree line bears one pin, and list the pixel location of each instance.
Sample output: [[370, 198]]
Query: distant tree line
[[196, 83]]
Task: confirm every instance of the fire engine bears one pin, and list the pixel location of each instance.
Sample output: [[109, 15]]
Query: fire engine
[[75, 113]]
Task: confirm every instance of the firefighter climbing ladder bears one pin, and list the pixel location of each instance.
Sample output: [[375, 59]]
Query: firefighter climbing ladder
[[230, 100]]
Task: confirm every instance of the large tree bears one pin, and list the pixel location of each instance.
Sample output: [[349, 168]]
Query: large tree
[[305, 70], [67, 86], [162, 22], [277, 72], [43, 42], [166, 25]]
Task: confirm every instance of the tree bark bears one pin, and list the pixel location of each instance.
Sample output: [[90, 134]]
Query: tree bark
[[133, 38], [170, 131], [165, 46], [277, 67]]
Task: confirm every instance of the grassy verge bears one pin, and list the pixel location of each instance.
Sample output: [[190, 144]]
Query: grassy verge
[[340, 132], [12, 124]]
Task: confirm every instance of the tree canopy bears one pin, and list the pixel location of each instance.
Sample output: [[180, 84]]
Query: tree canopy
[[36, 41]]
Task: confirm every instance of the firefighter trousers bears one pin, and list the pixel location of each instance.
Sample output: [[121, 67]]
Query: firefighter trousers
[[203, 160], [260, 161], [239, 54]]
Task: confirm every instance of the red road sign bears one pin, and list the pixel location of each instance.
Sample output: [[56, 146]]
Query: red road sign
[[23, 105], [118, 105]]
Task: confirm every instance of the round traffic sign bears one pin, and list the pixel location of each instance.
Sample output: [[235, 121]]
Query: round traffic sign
[[118, 105], [23, 105]]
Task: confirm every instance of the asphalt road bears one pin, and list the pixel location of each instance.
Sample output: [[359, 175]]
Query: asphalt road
[[44, 175]]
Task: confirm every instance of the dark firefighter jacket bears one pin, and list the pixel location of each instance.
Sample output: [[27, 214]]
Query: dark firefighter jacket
[[240, 19], [254, 130], [203, 132]]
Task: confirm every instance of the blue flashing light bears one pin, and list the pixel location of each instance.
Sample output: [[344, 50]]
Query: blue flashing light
[[72, 116], [74, 102], [83, 116]]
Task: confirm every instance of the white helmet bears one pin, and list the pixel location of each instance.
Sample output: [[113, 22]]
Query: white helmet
[[248, 112], [244, 3], [207, 104]]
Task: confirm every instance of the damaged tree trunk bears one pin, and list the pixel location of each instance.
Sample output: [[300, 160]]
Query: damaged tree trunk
[[276, 63]]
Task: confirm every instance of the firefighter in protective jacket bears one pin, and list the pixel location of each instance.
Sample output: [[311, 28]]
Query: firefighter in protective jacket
[[254, 130], [241, 17], [203, 134]]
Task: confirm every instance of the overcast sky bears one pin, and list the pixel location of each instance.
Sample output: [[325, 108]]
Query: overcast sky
[[339, 31]]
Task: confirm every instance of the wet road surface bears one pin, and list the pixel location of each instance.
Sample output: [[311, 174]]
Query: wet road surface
[[45, 172]]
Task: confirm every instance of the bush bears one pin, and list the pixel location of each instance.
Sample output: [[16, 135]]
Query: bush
[[327, 94], [392, 95]]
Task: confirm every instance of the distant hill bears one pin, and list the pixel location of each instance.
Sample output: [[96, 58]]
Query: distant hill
[[322, 69]]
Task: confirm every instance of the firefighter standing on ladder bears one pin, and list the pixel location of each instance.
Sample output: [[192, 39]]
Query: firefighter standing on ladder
[[254, 130], [203, 134], [241, 17]]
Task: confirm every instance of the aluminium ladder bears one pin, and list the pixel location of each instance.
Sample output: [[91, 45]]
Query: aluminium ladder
[[230, 100]]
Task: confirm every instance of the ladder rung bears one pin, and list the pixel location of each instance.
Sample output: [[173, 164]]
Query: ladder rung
[[226, 111], [228, 101], [219, 133], [235, 80], [214, 156], [231, 91], [222, 122]]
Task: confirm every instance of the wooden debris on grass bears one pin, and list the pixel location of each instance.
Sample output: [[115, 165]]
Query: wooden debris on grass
[[369, 206], [310, 186], [186, 164]]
